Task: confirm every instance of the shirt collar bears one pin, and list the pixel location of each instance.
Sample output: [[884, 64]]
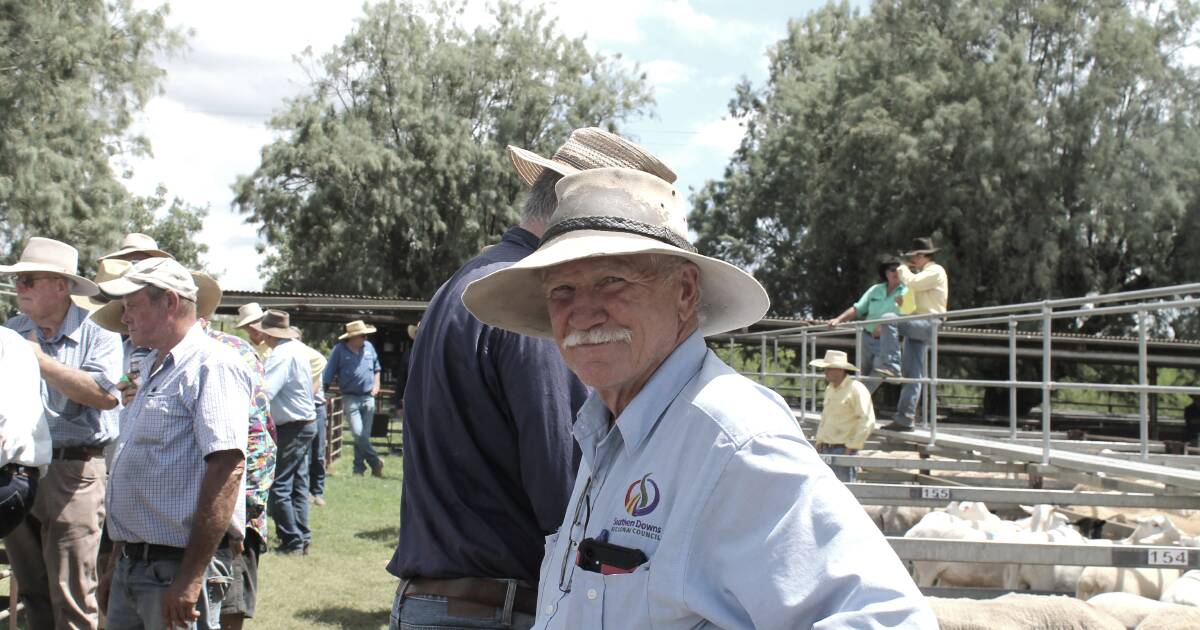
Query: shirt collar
[[520, 237], [846, 381], [641, 415], [195, 336], [71, 326]]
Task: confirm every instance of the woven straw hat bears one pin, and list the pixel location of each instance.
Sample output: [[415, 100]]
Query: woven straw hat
[[589, 148], [613, 212], [248, 314], [834, 359], [51, 256], [136, 242], [107, 270], [208, 297], [356, 328]]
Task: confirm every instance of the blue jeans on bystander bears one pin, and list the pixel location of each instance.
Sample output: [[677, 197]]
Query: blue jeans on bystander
[[910, 364], [316, 463], [360, 413], [287, 503]]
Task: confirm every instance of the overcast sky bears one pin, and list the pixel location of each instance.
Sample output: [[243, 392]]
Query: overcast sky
[[208, 127]]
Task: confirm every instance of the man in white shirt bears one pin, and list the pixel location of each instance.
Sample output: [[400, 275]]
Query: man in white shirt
[[24, 433]]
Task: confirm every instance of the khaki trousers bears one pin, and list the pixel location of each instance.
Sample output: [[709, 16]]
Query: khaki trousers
[[53, 553]]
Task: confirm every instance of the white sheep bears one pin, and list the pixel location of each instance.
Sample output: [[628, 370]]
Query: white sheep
[[1185, 590], [1045, 577], [945, 526], [1127, 608], [896, 519], [1172, 618], [1150, 583], [1020, 612]]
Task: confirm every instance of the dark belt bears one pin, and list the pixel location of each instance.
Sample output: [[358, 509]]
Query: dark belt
[[78, 453], [18, 469], [149, 553], [478, 591]]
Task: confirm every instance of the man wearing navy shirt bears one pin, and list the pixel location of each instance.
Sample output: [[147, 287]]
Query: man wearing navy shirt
[[488, 453], [354, 366]]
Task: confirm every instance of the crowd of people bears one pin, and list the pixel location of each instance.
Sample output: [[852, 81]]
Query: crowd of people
[[575, 455]]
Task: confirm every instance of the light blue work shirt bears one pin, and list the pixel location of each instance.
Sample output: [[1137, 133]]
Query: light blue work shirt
[[708, 474], [289, 383], [878, 301], [354, 372], [82, 344]]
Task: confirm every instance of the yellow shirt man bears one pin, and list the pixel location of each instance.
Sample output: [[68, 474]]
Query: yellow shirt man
[[848, 416], [930, 287]]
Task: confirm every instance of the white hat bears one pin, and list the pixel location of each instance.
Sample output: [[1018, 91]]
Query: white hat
[[136, 242], [356, 328], [164, 273], [208, 297], [44, 254], [613, 212], [249, 313], [588, 148], [106, 270], [834, 359]]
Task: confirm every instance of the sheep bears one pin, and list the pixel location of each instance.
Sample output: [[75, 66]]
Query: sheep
[[1185, 590], [1154, 530], [1145, 582], [1020, 612], [896, 519], [946, 526], [1172, 618], [1127, 608], [1042, 577]]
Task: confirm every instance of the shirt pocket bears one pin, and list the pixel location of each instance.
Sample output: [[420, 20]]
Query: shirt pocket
[[155, 420], [626, 599], [548, 561]]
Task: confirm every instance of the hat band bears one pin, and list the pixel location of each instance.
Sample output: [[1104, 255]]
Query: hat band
[[616, 224]]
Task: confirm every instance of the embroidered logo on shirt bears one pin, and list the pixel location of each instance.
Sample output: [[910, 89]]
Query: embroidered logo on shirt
[[642, 496]]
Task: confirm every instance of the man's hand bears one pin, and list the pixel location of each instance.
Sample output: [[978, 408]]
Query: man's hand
[[851, 451], [179, 601], [128, 390], [875, 333], [835, 321], [819, 445]]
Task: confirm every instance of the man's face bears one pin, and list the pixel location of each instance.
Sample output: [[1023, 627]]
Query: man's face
[[916, 261], [145, 318], [355, 343], [257, 338], [835, 375], [40, 294], [615, 320]]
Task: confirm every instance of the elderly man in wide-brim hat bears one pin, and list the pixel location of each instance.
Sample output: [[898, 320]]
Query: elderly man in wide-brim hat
[[176, 509], [354, 367], [698, 500], [847, 416], [927, 283], [53, 553], [289, 384]]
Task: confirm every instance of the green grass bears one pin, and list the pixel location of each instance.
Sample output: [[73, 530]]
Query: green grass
[[342, 583]]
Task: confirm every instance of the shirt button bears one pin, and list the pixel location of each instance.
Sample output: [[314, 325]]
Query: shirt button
[[549, 609], [591, 593]]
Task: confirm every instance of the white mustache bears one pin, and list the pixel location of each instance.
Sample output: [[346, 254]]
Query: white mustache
[[597, 336]]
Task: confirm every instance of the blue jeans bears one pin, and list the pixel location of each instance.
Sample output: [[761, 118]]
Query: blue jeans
[[916, 334], [316, 463], [287, 503], [423, 612], [845, 474], [360, 413], [866, 363], [135, 600]]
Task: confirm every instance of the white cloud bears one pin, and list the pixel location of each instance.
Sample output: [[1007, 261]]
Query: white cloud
[[724, 135], [663, 73]]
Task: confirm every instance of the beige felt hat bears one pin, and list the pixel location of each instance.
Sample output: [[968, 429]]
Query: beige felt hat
[[613, 212], [138, 243], [834, 359], [276, 324], [44, 254], [106, 270], [248, 314], [588, 148], [208, 297], [356, 328]]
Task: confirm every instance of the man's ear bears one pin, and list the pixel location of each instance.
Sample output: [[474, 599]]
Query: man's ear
[[689, 291]]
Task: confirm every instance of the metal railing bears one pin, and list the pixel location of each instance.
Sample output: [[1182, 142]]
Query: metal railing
[[1137, 303]]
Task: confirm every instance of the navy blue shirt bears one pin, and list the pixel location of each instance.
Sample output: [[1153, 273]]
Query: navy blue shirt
[[354, 372], [489, 459]]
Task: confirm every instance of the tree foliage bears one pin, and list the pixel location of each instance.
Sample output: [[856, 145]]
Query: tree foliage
[[391, 171], [73, 73], [1049, 147]]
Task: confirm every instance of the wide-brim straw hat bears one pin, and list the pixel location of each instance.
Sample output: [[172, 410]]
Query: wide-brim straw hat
[[921, 245], [356, 328], [136, 242], [208, 297], [51, 256], [276, 324], [105, 271], [588, 148], [834, 359], [613, 212], [249, 313]]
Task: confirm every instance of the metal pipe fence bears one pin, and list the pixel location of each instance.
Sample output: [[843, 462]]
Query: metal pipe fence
[[1044, 313]]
